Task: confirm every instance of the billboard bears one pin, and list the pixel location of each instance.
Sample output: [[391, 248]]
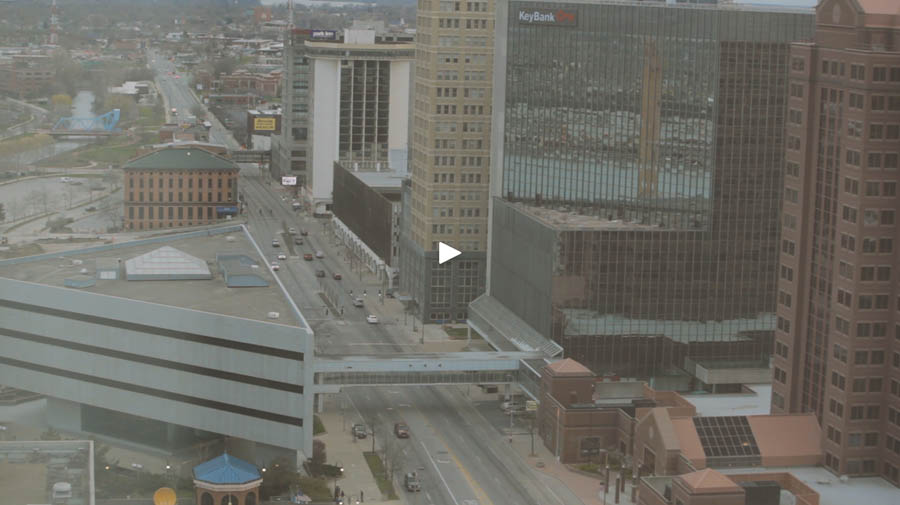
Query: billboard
[[288, 180], [264, 124], [323, 35], [549, 17]]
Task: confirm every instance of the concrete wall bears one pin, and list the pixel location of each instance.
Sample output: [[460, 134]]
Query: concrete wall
[[222, 374], [398, 113], [63, 415], [324, 131], [523, 256]]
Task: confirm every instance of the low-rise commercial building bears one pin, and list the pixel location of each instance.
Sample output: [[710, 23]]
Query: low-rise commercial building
[[179, 186]]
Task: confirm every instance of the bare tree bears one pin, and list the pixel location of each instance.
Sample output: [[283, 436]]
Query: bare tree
[[392, 456]]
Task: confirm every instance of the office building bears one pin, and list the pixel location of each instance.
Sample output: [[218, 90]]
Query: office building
[[179, 186], [367, 209], [637, 158], [449, 159], [837, 344], [348, 100]]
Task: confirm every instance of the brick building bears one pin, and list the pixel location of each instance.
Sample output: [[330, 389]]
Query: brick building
[[179, 186], [26, 76], [242, 81], [837, 344]]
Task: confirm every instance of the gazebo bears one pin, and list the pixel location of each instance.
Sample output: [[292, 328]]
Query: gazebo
[[227, 480]]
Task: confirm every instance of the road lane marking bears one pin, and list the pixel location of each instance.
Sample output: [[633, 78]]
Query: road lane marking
[[436, 469], [472, 483]]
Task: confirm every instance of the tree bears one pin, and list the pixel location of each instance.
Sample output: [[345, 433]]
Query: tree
[[319, 456], [392, 457], [198, 111], [127, 108], [280, 475], [2, 212], [51, 434], [62, 102], [224, 65]]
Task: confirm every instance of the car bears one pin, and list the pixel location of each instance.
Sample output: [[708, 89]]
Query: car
[[275, 243], [336, 276], [282, 256], [91, 209], [411, 482], [308, 257], [304, 232], [358, 302], [292, 231], [275, 266], [320, 254], [372, 319], [320, 273], [401, 430], [298, 241], [359, 430]]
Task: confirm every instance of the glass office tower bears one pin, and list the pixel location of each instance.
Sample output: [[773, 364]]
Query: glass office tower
[[636, 185]]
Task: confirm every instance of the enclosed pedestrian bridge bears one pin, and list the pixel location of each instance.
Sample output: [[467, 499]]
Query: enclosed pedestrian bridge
[[334, 372]]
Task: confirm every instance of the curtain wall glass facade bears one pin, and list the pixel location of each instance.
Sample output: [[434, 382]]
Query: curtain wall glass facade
[[650, 139]]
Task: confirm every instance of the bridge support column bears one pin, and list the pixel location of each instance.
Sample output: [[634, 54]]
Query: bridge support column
[[318, 402]]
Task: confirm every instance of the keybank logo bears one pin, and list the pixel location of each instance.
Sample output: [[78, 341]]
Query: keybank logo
[[558, 17]]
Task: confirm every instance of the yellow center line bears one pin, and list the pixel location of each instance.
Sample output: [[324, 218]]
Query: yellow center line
[[479, 492]]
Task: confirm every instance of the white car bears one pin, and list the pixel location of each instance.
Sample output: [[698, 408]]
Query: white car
[[282, 256], [320, 254], [276, 267], [372, 319]]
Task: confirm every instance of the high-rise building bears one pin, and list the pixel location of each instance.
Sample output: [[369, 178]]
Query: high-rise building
[[637, 159], [447, 195], [289, 150], [348, 100], [837, 346]]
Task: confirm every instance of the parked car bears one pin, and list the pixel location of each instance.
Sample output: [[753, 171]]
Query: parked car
[[308, 257], [320, 273], [337, 276], [358, 302], [282, 256], [304, 232], [372, 319], [401, 430], [359, 430], [91, 209], [275, 266], [276, 243], [320, 254]]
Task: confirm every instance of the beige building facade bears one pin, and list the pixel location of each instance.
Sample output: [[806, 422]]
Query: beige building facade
[[447, 197]]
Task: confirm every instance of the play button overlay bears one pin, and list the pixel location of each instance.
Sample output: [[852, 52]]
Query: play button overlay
[[446, 253]]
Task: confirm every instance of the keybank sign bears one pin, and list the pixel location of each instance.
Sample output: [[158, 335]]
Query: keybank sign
[[558, 17]]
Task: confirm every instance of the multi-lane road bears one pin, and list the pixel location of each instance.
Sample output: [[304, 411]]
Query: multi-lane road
[[461, 457]]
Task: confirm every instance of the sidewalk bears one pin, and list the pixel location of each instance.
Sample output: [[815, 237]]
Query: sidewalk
[[589, 490], [342, 448]]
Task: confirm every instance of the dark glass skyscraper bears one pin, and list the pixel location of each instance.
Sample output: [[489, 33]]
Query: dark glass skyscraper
[[638, 161]]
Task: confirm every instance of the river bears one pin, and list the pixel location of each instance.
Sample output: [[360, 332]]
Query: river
[[81, 107]]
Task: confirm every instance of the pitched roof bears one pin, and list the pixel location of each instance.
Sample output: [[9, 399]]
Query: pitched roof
[[689, 441], [783, 439], [171, 158], [226, 470], [880, 6], [569, 366], [709, 481], [166, 263]]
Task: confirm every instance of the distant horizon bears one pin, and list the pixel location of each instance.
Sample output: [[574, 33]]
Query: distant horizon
[[785, 3]]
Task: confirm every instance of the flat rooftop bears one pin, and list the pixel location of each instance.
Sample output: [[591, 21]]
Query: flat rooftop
[[872, 490], [204, 295], [743, 404], [567, 218], [380, 180]]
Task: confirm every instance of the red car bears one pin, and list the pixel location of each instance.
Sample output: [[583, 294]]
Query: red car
[[337, 276], [308, 257], [401, 430]]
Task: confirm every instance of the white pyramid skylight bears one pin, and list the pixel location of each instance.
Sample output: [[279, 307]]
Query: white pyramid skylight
[[164, 264]]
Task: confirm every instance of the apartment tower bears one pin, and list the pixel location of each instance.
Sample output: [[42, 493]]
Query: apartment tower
[[446, 198], [837, 346]]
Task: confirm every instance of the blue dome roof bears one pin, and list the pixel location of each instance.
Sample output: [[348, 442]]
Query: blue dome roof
[[226, 470]]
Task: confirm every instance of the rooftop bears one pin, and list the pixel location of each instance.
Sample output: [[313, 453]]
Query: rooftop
[[170, 158], [709, 481], [756, 402], [567, 218], [203, 295], [226, 470], [832, 491]]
